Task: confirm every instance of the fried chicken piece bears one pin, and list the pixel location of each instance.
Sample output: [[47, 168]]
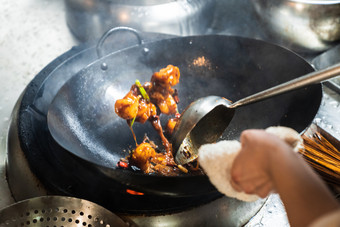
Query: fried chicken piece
[[170, 126], [166, 170], [161, 90], [133, 106], [148, 86], [166, 77], [165, 102], [127, 107], [145, 103], [144, 155], [149, 161], [145, 111]]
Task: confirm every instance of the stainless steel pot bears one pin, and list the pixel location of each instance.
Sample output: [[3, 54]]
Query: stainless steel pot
[[302, 25], [90, 19]]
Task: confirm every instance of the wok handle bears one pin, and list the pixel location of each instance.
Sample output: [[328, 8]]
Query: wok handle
[[308, 79], [110, 32]]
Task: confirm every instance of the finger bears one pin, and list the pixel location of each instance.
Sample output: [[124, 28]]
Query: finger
[[252, 176], [250, 134], [254, 184], [264, 190], [236, 186]]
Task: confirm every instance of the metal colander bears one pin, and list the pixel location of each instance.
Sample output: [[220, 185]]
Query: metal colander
[[50, 211]]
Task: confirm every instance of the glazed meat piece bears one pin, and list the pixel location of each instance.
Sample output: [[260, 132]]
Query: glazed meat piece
[[161, 91], [127, 107], [133, 106], [166, 77], [146, 158], [142, 156], [165, 102], [170, 126], [145, 103], [149, 161], [145, 111]]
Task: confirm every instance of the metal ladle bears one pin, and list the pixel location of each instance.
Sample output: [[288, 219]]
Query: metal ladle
[[204, 120]]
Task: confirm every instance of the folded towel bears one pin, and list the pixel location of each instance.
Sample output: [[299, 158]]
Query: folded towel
[[216, 160], [289, 135]]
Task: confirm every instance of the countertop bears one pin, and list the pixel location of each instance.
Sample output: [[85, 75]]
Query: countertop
[[32, 34]]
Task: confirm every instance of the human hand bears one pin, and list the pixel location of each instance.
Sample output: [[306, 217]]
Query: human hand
[[266, 163], [252, 169]]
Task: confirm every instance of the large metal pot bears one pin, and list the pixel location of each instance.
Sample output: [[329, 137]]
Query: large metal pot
[[90, 19], [302, 25]]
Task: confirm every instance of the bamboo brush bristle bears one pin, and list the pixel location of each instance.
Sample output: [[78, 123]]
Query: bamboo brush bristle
[[322, 156]]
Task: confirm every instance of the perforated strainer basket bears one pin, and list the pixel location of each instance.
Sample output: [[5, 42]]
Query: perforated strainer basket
[[50, 211]]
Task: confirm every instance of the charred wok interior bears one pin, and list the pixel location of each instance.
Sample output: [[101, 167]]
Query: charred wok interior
[[145, 103]]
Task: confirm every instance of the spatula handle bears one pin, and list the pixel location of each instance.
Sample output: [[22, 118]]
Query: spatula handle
[[308, 79]]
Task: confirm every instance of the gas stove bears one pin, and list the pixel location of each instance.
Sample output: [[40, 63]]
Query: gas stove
[[24, 182], [33, 155]]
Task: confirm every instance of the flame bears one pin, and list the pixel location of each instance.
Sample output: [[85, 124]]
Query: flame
[[132, 192]]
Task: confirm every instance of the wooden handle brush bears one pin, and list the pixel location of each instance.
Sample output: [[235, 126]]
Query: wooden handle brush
[[323, 156]]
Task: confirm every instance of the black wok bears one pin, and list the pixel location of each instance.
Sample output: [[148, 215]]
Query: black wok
[[86, 125]]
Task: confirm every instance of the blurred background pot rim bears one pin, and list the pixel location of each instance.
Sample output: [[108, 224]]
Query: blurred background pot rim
[[309, 26], [144, 2], [89, 19], [317, 2]]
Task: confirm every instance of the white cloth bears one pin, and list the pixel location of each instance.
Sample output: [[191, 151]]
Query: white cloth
[[216, 160]]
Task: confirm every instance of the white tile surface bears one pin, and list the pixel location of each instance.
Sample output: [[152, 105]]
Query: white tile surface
[[32, 34]]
